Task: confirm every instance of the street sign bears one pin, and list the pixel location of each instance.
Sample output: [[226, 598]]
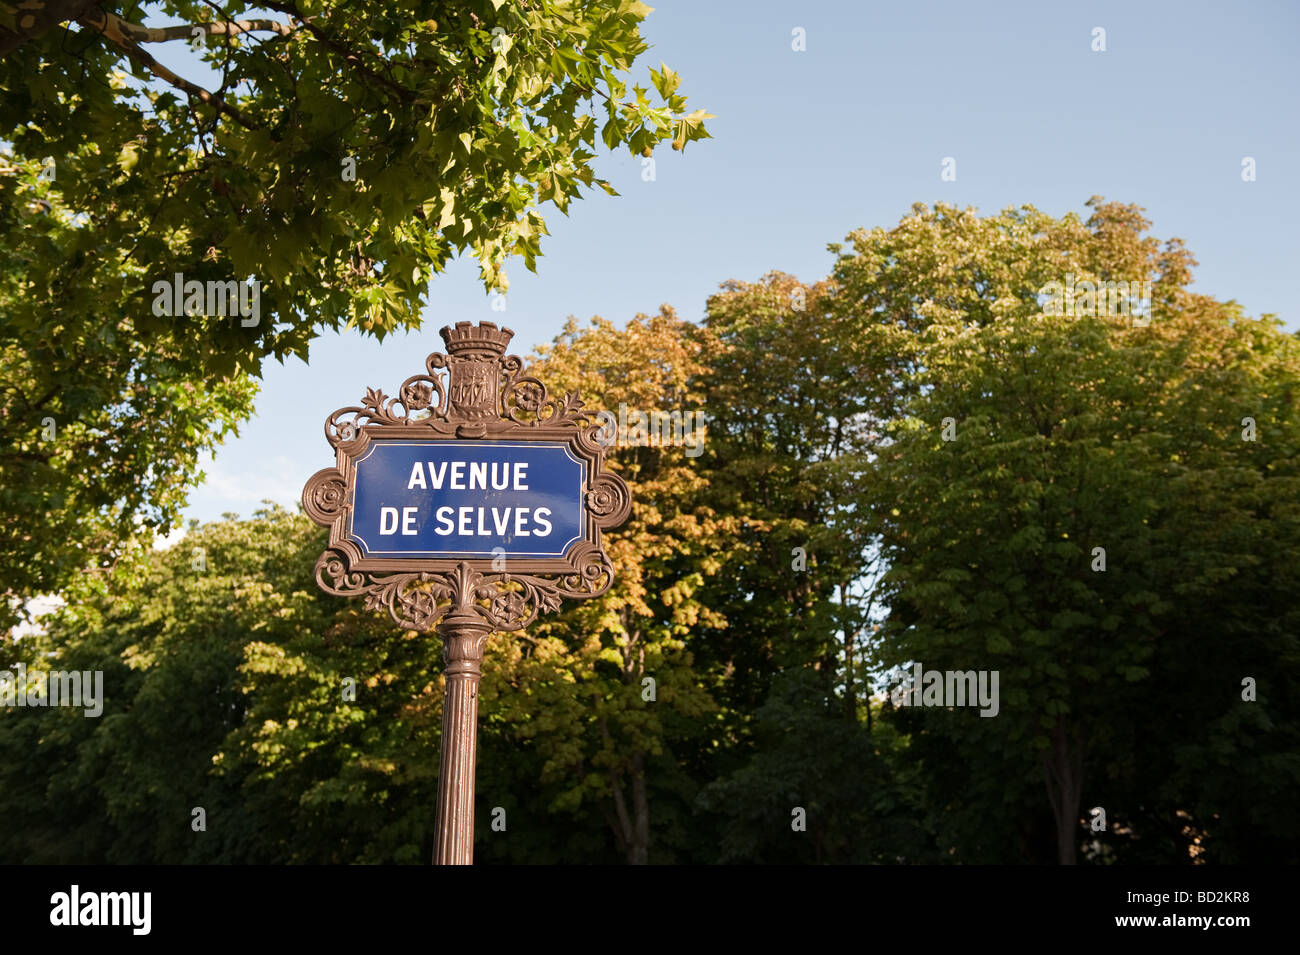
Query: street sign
[[470, 502], [505, 499]]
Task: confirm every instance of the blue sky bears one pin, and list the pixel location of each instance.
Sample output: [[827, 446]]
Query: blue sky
[[848, 134]]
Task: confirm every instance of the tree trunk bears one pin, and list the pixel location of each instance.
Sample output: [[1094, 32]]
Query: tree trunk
[[1063, 773], [850, 691], [639, 851], [632, 830]]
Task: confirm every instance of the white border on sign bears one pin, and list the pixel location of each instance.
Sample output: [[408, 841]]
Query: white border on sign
[[464, 443]]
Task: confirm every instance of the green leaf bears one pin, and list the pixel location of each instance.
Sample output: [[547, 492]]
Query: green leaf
[[128, 157], [665, 81]]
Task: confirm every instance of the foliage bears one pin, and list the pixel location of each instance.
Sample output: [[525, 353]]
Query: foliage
[[100, 434], [719, 686], [594, 719], [348, 152], [1069, 433]]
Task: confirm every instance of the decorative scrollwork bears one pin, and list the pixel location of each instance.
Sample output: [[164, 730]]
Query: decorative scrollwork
[[324, 496], [609, 499], [522, 393], [418, 601], [515, 601], [525, 400], [419, 393], [414, 600], [333, 576]]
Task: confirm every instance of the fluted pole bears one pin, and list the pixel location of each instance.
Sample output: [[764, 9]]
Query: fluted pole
[[463, 634]]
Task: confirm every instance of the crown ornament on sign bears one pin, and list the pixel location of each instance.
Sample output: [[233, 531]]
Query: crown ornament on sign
[[484, 340]]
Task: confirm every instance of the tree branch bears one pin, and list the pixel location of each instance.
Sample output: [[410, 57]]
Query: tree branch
[[185, 31], [117, 31]]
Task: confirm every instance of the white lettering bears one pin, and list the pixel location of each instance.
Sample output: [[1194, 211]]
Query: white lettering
[[478, 475], [446, 525], [501, 468]]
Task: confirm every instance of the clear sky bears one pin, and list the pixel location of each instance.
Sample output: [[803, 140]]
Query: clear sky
[[848, 134]]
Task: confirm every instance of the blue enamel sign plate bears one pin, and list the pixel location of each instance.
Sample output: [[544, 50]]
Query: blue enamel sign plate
[[516, 499]]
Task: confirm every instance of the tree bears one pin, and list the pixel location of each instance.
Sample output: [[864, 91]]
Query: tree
[[99, 439], [820, 789], [794, 407], [614, 689], [457, 129], [305, 728], [790, 441], [1022, 442], [347, 153]]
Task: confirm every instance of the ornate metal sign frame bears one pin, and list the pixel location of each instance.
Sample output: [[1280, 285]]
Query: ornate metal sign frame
[[473, 391]]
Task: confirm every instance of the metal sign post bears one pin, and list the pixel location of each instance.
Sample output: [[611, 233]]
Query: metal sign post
[[469, 503]]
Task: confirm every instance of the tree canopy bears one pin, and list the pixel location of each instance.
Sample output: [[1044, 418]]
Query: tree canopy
[[344, 154]]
